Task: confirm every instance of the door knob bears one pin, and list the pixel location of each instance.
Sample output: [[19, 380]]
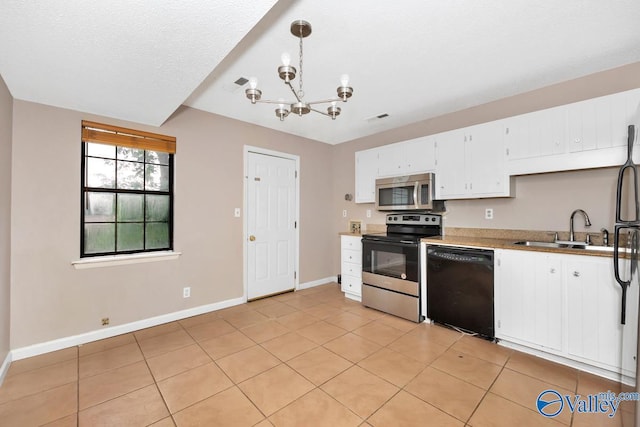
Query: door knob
[[252, 238]]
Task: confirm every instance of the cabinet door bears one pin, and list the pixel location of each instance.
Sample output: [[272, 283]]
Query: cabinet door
[[485, 155], [593, 312], [516, 137], [420, 155], [366, 172], [451, 165], [390, 160], [529, 298]]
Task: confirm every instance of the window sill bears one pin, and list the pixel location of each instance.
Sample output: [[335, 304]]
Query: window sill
[[109, 261]]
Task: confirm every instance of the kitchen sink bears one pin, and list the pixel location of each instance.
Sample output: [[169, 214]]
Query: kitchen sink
[[567, 245]]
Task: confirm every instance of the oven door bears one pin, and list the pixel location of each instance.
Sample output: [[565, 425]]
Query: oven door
[[391, 265]]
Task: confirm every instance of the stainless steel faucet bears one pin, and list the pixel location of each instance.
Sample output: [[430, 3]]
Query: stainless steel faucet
[[587, 223]]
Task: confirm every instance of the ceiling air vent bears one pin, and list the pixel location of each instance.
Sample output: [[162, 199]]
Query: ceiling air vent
[[377, 117], [241, 81]]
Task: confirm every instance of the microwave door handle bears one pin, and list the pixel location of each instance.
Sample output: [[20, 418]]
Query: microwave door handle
[[416, 202]]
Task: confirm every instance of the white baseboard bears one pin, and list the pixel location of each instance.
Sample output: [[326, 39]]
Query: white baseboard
[[318, 282], [66, 342], [4, 368]]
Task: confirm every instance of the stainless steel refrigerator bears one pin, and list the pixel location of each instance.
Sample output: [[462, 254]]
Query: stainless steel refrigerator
[[626, 238]]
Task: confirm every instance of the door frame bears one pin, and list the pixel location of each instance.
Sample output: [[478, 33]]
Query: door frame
[[245, 204]]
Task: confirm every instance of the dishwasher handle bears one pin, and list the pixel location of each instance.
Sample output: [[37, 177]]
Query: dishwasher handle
[[462, 255]]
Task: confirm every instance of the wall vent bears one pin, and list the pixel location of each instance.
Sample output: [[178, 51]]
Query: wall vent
[[377, 117]]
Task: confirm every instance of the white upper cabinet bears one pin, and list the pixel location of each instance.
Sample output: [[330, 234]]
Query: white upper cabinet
[[471, 163], [366, 172]]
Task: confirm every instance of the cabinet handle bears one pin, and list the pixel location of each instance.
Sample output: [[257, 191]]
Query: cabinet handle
[[576, 274], [552, 271]]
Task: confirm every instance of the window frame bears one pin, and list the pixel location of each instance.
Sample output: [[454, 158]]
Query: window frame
[[126, 138]]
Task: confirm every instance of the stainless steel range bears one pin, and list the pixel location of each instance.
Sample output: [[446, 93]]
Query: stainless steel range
[[391, 264]]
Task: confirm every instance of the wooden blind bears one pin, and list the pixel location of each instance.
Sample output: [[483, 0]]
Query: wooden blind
[[115, 135]]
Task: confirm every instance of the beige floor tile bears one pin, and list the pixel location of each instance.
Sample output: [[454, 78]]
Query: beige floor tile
[[321, 332], [379, 333], [297, 320], [524, 390], [468, 368], [323, 311], [165, 343], [43, 360], [199, 319], [114, 383], [68, 421], [319, 365], [225, 345], [544, 370], [357, 308], [302, 302], [116, 357], [138, 408], [592, 384], [285, 296], [192, 386], [449, 394], [165, 422], [261, 303], [437, 334], [37, 380], [211, 329], [418, 347], [394, 367], [245, 318], [398, 322], [495, 411], [288, 346], [264, 423], [405, 410], [247, 363], [352, 347], [360, 391], [601, 420], [154, 331], [106, 344], [227, 408], [483, 349], [265, 331], [232, 311], [315, 409], [348, 321], [276, 309], [41, 408], [175, 362], [275, 388]]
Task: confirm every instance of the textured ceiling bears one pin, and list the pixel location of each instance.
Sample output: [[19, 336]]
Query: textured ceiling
[[413, 59]]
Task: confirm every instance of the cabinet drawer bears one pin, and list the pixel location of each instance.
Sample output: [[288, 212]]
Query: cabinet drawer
[[351, 256], [352, 284], [351, 269], [354, 243]]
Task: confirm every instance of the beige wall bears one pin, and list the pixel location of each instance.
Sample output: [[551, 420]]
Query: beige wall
[[50, 299], [6, 106], [543, 202]]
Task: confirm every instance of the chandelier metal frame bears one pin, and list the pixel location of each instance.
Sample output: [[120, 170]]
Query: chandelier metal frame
[[300, 29]]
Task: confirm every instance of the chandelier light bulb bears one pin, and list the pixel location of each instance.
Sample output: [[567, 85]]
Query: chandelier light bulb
[[344, 80], [253, 82], [286, 59]]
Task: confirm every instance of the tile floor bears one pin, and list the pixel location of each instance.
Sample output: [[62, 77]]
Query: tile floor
[[309, 358]]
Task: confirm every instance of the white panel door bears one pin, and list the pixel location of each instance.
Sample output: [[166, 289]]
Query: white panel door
[[271, 224]]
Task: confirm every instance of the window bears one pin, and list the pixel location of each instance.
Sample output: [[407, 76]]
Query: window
[[127, 191]]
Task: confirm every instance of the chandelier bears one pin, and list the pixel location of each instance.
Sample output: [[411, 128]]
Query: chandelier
[[300, 29]]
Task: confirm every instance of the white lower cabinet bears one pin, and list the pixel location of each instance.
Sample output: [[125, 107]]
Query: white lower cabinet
[[351, 266], [567, 305]]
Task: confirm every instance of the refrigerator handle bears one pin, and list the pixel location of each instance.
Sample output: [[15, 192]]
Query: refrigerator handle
[[616, 269]]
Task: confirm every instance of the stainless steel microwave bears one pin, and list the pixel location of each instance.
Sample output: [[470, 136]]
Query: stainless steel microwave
[[406, 193]]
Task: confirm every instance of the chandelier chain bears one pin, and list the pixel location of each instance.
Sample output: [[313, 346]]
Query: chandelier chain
[[300, 91]]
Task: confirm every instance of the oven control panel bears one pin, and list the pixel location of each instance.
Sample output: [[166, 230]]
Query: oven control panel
[[413, 219]]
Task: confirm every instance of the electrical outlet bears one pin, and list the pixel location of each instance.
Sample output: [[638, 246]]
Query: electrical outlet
[[488, 213], [105, 321], [236, 212], [186, 292], [368, 213], [344, 213]]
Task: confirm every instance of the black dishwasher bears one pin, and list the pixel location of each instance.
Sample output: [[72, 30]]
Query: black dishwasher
[[460, 288]]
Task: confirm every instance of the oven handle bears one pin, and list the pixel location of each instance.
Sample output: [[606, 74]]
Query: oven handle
[[403, 244]]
